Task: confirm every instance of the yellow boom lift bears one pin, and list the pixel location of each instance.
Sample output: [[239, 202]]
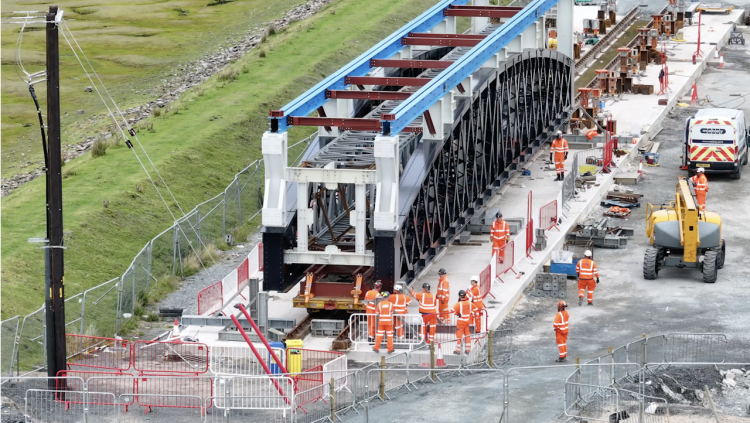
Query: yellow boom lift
[[682, 236]]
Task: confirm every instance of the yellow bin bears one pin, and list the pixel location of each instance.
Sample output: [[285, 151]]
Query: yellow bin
[[294, 355]]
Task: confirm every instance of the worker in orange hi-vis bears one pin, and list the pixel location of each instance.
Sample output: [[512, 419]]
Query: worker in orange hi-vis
[[428, 309], [591, 133], [464, 310], [384, 313], [400, 302], [561, 330], [475, 297], [700, 185], [370, 297], [443, 296], [558, 152], [499, 235], [587, 271]]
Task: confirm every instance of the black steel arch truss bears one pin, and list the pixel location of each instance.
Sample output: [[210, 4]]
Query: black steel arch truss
[[507, 119]]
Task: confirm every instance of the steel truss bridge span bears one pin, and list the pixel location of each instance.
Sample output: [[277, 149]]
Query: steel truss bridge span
[[364, 200]]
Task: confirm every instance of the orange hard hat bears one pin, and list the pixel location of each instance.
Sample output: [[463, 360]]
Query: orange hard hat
[[561, 304]]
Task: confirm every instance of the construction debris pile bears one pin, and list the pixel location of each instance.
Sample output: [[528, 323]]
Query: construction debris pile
[[603, 233]]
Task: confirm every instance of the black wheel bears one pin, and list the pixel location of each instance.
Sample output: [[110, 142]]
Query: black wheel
[[737, 173], [744, 158], [710, 272], [722, 255], [650, 265]]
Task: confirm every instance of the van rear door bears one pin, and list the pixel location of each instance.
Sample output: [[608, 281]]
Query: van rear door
[[712, 141]]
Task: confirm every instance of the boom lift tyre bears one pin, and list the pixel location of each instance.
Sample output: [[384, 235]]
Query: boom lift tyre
[[684, 237]]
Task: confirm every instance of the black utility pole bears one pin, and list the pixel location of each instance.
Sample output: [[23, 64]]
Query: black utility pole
[[55, 304]]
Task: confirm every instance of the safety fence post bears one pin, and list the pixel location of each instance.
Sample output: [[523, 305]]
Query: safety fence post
[[432, 361], [642, 378], [489, 351], [612, 367], [578, 379], [382, 378], [333, 401]]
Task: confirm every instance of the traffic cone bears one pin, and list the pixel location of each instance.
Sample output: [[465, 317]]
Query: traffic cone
[[440, 362], [721, 61], [176, 329]]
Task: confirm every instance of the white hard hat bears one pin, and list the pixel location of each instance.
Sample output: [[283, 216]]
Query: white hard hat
[[700, 170], [398, 288], [559, 132], [475, 278], [587, 253]]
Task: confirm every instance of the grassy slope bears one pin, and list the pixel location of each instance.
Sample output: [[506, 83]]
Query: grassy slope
[[196, 156], [132, 46]]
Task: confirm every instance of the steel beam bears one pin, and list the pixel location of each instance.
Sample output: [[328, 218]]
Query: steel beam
[[457, 36], [324, 175], [368, 95], [344, 124], [384, 80], [315, 97], [410, 64], [440, 41], [410, 109], [483, 11], [332, 255]]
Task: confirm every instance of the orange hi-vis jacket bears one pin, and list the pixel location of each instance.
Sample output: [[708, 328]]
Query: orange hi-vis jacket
[[700, 183], [561, 322], [385, 311], [463, 310], [427, 303], [559, 146], [586, 269], [370, 301], [475, 296], [500, 231], [443, 289], [400, 301]]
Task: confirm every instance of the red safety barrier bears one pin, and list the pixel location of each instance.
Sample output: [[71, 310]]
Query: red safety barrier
[[154, 390], [485, 282], [308, 386], [170, 357], [98, 385], [97, 352], [313, 358], [530, 238], [548, 216], [243, 275], [210, 299], [505, 260], [609, 147]]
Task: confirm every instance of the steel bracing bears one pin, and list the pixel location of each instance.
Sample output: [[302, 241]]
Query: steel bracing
[[414, 136]]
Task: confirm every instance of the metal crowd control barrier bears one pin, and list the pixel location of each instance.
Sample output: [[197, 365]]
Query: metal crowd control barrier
[[505, 260], [103, 386], [9, 344], [696, 347], [236, 360], [590, 402], [210, 299], [170, 357], [98, 352], [155, 390], [548, 216], [359, 336], [254, 392], [569, 183], [44, 405]]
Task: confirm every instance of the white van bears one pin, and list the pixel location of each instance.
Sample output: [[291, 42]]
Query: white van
[[716, 140]]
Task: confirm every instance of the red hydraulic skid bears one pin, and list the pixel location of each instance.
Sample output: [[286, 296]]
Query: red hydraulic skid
[[262, 338]]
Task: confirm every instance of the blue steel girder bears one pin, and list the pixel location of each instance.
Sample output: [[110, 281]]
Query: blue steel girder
[[315, 97], [414, 106]]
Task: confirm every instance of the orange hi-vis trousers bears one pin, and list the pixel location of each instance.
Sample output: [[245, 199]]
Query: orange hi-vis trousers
[[562, 343], [498, 249], [701, 197], [429, 327], [559, 163], [371, 324], [462, 330], [583, 285], [443, 310], [384, 328], [477, 314]]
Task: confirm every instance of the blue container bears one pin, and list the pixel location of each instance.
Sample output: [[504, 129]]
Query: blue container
[[278, 348], [565, 268], [602, 104]]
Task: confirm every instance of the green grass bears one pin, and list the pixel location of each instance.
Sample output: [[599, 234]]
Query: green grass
[[609, 54], [132, 46], [196, 155]]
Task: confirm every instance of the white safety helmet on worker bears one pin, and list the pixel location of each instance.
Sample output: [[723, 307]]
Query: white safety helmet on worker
[[700, 170], [475, 278], [587, 253]]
